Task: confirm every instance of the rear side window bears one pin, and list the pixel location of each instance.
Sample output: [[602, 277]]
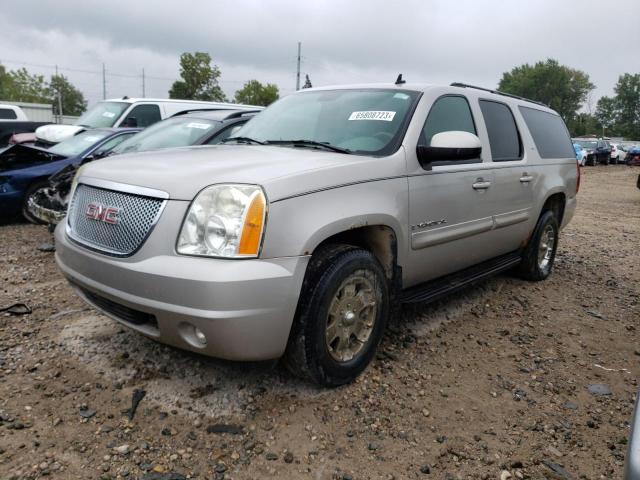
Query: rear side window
[[7, 114], [504, 139], [549, 133], [145, 115], [449, 113]]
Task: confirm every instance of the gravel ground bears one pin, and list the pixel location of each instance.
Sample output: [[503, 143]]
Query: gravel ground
[[507, 379]]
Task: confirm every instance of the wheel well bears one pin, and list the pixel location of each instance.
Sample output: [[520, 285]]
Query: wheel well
[[380, 240], [555, 203]]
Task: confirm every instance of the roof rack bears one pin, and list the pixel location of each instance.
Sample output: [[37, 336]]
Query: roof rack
[[236, 112], [497, 92]]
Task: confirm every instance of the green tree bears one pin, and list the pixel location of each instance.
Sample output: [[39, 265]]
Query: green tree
[[254, 93], [628, 102], [199, 79], [73, 102], [607, 113], [21, 86], [562, 88], [307, 82], [584, 124]]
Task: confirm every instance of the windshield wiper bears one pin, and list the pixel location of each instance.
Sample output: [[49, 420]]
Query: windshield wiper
[[308, 143], [243, 140]]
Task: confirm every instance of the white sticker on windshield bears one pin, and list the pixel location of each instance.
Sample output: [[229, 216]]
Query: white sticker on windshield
[[401, 96], [108, 114], [201, 126], [373, 115], [92, 139]]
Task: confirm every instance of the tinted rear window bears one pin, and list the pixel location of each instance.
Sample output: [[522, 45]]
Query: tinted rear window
[[503, 133], [7, 114], [549, 134]]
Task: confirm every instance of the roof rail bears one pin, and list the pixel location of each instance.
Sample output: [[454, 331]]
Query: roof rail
[[241, 113], [497, 92], [236, 113]]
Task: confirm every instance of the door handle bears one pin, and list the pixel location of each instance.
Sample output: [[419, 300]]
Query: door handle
[[480, 184], [526, 178]]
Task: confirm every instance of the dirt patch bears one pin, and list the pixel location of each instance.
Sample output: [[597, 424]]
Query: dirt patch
[[534, 379]]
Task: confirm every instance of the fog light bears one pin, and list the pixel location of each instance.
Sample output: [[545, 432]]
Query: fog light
[[200, 335]]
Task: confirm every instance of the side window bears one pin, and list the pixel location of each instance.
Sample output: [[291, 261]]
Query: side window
[[549, 133], [110, 144], [224, 134], [145, 115], [449, 113], [7, 114], [504, 139]]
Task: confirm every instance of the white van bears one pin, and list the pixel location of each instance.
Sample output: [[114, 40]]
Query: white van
[[128, 112]]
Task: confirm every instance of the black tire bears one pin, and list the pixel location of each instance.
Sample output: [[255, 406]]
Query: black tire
[[308, 356], [531, 268], [34, 187]]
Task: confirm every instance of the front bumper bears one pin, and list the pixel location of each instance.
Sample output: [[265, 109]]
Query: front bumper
[[244, 308]]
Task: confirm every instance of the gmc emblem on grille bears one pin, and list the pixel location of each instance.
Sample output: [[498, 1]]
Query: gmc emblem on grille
[[102, 213]]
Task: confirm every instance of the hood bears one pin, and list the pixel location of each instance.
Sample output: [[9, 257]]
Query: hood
[[282, 171], [22, 156], [56, 133]]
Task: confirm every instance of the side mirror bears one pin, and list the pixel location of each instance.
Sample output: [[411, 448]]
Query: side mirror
[[131, 122], [450, 146]]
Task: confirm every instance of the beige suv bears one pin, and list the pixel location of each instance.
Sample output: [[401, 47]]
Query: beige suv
[[297, 237]]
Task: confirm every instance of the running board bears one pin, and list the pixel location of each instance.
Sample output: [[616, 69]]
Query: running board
[[440, 287]]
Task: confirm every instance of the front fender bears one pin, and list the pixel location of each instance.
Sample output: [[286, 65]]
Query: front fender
[[296, 226]]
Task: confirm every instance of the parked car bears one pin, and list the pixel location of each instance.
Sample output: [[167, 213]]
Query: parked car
[[128, 112], [616, 155], [199, 127], [323, 212], [14, 121], [633, 156], [581, 154], [598, 150], [24, 170]]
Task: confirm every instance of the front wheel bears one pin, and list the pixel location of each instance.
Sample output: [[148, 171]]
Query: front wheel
[[540, 253], [341, 317]]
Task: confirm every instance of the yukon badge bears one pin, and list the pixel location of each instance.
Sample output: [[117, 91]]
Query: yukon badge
[[102, 213], [432, 223]]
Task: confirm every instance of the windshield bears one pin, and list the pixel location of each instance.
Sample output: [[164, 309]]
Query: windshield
[[361, 121], [103, 114], [173, 132], [79, 143], [590, 144]]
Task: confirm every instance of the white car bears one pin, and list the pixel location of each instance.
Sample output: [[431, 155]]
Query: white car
[[617, 155], [12, 113], [128, 112]]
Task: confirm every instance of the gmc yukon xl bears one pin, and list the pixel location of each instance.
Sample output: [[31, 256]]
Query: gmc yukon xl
[[299, 235]]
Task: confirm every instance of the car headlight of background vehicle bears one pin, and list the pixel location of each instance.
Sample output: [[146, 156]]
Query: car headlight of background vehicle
[[224, 221]]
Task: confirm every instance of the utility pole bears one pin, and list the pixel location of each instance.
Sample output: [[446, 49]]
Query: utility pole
[[104, 82], [298, 73], [59, 94], [143, 88]]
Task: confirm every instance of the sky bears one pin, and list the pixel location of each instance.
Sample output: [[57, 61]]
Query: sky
[[347, 41]]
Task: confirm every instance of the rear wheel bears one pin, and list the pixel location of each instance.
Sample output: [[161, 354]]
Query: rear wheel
[[538, 258], [29, 193], [341, 317]]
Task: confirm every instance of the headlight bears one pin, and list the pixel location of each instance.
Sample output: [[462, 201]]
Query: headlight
[[224, 221]]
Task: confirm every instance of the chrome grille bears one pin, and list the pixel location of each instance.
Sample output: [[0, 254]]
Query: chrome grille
[[137, 216]]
